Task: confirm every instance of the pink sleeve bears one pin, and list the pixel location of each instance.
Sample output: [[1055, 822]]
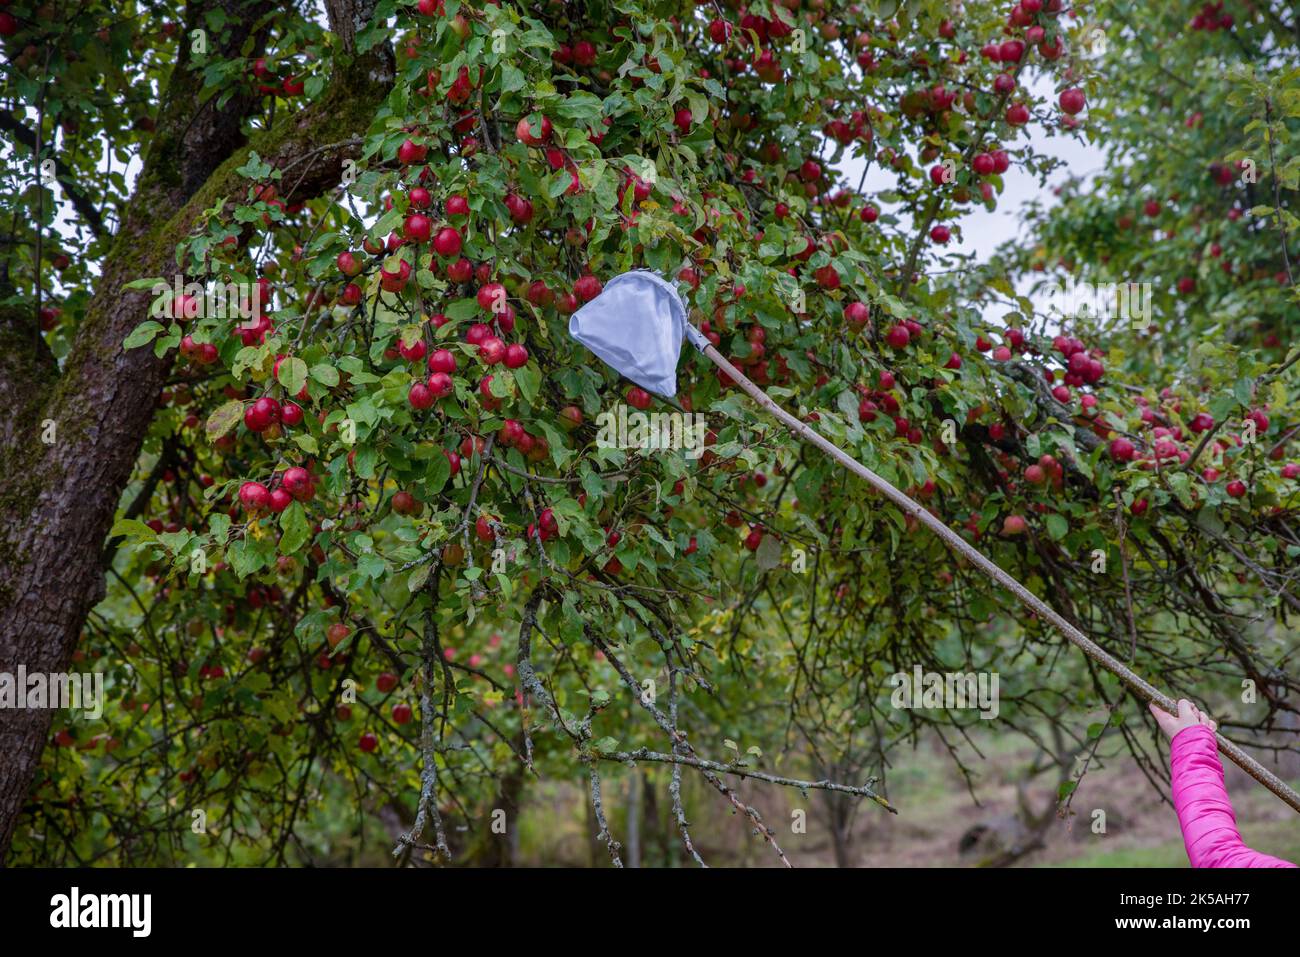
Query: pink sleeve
[[1204, 811]]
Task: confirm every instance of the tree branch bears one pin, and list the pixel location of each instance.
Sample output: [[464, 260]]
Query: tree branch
[[67, 180]]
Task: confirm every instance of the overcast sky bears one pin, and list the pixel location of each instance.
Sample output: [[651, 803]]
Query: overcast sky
[[983, 231]]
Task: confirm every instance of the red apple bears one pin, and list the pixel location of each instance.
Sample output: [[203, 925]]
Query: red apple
[[524, 130], [1072, 100], [448, 242], [254, 496], [442, 360], [516, 356], [1122, 450], [492, 350], [898, 336]]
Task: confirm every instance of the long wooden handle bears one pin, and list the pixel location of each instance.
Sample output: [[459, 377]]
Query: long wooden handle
[[1138, 685]]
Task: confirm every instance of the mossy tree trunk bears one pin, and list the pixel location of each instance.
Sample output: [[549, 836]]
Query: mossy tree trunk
[[59, 497]]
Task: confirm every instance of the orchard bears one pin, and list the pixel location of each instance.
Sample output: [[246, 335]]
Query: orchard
[[331, 515]]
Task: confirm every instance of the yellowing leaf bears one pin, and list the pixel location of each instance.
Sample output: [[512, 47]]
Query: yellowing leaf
[[224, 418]]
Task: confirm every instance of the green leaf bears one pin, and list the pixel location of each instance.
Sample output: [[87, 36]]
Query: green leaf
[[295, 527], [292, 374], [372, 566], [561, 180], [145, 283], [224, 418], [512, 78], [169, 341], [699, 107], [580, 106], [176, 542], [256, 167], [325, 374], [847, 403], [142, 334], [417, 579], [131, 528], [439, 472], [246, 557], [387, 223], [1208, 519], [462, 309], [1057, 526], [1244, 389], [529, 381]]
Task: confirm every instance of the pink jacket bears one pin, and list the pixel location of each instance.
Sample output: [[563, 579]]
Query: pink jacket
[[1204, 811]]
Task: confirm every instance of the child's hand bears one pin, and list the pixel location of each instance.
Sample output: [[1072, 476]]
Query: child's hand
[[1189, 716]]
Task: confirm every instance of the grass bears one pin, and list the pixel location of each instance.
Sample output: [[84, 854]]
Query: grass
[[1278, 838]]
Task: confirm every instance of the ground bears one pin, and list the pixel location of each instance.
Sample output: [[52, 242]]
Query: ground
[[936, 809]]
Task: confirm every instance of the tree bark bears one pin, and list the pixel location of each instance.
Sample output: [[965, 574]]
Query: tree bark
[[634, 819], [58, 499]]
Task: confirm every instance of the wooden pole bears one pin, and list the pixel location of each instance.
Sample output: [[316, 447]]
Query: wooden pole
[[1135, 683]]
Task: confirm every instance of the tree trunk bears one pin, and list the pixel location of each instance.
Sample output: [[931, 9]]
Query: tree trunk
[[840, 809], [656, 826], [634, 819], [58, 500], [841, 839], [502, 850]]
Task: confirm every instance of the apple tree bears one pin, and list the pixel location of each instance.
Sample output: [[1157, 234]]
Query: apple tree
[[327, 497]]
